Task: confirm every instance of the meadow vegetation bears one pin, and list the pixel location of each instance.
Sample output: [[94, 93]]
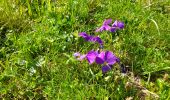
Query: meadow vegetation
[[39, 37]]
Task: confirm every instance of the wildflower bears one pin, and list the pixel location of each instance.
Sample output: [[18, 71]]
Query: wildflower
[[91, 56], [91, 38], [108, 59], [78, 56], [97, 39], [105, 25], [117, 25], [85, 36]]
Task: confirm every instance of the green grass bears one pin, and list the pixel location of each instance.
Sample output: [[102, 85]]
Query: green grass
[[38, 39]]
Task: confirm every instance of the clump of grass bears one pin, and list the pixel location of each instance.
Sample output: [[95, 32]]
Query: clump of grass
[[13, 17]]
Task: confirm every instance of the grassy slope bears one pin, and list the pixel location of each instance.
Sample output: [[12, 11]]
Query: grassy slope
[[38, 63]]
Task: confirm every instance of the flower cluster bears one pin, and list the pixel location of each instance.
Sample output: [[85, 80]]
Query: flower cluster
[[105, 58], [115, 26], [91, 38]]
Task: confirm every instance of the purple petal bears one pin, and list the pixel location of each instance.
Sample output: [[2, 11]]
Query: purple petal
[[115, 23], [91, 56], [97, 30], [113, 29], [84, 35], [103, 27], [91, 38], [81, 57], [100, 29], [106, 68], [110, 58], [120, 25], [107, 21], [100, 58], [111, 61], [118, 60], [106, 27], [76, 54], [97, 39], [108, 55], [102, 55]]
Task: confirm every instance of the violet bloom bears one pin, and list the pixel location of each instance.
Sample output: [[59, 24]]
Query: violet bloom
[[91, 56], [85, 36], [108, 59], [97, 39], [117, 25], [105, 25], [91, 38], [78, 56]]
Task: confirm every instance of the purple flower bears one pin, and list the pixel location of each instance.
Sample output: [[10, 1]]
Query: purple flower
[[91, 38], [108, 59], [117, 25], [85, 36], [78, 56], [91, 56], [97, 39], [81, 57], [105, 25]]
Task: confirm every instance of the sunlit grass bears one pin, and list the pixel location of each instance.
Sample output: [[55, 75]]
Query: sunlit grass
[[38, 39]]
